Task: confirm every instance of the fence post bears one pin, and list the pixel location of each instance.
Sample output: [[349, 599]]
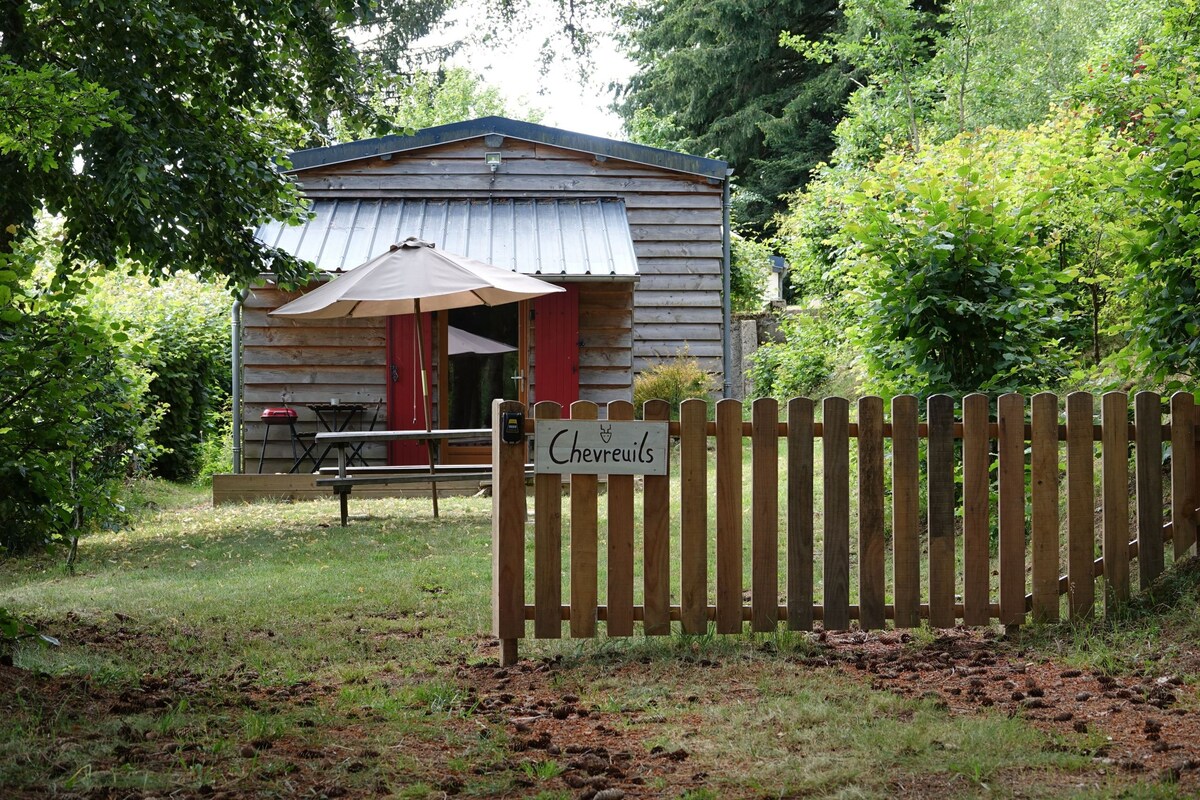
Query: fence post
[[1044, 477], [729, 516], [906, 511], [656, 512], [1081, 507], [1114, 419], [835, 452], [870, 513], [1147, 421], [1183, 472], [940, 475], [693, 516], [976, 490], [620, 540], [584, 555], [1010, 511], [764, 552], [800, 514], [547, 538], [508, 535]]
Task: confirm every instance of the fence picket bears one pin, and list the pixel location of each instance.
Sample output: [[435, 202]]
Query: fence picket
[[1147, 421], [906, 512], [835, 447], [656, 537], [1183, 472], [870, 513], [620, 540], [508, 537], [729, 516], [940, 475], [547, 543], [1114, 418], [1045, 518], [1010, 414], [976, 511], [764, 553], [1081, 525], [583, 541], [693, 515], [800, 514]]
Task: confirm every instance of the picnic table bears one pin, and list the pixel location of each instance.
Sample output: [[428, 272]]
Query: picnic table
[[348, 441]]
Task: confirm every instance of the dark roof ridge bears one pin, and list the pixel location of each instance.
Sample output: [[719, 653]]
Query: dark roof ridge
[[528, 131]]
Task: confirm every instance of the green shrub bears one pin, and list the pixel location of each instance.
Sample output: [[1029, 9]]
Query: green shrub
[[749, 270], [74, 425], [674, 380], [181, 327], [74, 414], [953, 287], [216, 448], [797, 366]]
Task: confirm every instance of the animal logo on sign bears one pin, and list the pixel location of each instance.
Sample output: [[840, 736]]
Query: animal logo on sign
[[606, 433]]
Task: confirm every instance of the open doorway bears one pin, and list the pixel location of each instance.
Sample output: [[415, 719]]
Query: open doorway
[[486, 360]]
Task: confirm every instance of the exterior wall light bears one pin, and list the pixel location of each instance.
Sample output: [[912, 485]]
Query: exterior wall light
[[492, 160]]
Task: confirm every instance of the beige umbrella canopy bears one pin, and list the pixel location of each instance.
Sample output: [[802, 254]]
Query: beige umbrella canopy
[[412, 277]]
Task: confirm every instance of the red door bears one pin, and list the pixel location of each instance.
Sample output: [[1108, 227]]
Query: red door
[[556, 346], [405, 403]]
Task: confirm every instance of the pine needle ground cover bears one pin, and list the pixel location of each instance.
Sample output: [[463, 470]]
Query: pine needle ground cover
[[263, 651]]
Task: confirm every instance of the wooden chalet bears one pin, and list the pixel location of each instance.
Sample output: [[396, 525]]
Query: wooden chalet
[[637, 235]]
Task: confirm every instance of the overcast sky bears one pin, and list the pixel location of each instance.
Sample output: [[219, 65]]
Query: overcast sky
[[513, 65]]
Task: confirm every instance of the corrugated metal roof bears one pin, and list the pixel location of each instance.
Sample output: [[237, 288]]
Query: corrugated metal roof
[[567, 238], [517, 129]]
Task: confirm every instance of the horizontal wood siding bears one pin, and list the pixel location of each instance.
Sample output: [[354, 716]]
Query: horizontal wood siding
[[313, 361], [304, 362], [675, 221]]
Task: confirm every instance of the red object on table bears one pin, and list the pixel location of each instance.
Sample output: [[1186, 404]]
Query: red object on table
[[282, 415], [278, 416]]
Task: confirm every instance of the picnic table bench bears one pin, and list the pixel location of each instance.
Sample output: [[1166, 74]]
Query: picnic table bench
[[347, 477]]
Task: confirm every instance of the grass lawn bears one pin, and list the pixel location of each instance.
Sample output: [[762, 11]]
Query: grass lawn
[[263, 651]]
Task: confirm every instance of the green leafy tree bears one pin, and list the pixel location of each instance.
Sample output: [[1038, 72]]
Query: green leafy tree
[[424, 98], [187, 110], [74, 416], [713, 78], [929, 73], [951, 284], [1154, 100], [800, 364], [179, 332], [749, 270]]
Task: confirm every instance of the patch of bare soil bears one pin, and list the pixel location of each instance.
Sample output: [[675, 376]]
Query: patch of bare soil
[[1137, 727], [600, 757], [604, 759], [1143, 725]]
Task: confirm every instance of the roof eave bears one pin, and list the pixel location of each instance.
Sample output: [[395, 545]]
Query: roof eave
[[527, 131]]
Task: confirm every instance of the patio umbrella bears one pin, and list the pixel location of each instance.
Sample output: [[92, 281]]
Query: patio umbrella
[[409, 278]]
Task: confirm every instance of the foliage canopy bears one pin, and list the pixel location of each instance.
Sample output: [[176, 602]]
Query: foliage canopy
[[159, 125], [713, 78]]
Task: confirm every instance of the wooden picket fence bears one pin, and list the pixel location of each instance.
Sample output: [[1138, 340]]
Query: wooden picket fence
[[1020, 437]]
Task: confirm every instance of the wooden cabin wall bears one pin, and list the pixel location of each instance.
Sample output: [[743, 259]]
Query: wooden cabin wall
[[675, 221], [306, 361]]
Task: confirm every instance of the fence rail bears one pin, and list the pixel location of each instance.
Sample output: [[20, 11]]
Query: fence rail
[[1020, 448]]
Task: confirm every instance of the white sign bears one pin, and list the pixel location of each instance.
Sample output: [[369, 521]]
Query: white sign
[[592, 447]]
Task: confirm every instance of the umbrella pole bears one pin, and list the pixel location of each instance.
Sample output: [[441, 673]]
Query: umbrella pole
[[426, 401]]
